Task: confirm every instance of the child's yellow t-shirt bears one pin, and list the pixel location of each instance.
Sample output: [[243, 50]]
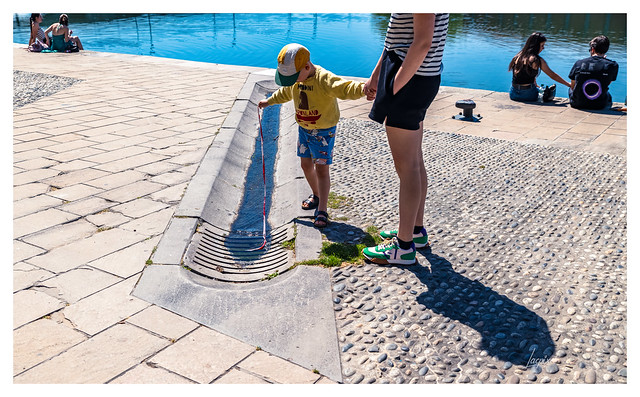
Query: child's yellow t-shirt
[[315, 99]]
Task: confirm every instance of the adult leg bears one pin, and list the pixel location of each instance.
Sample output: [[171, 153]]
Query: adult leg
[[407, 157], [423, 184], [76, 40]]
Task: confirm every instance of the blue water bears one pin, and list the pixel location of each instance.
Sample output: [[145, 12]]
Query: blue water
[[478, 50]]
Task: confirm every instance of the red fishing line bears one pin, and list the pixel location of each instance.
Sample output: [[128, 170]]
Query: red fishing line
[[264, 182]]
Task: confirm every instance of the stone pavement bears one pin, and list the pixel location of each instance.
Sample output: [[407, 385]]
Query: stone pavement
[[99, 169], [526, 277], [554, 124]]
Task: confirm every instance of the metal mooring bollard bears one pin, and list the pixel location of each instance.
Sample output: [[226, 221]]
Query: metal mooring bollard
[[467, 106]]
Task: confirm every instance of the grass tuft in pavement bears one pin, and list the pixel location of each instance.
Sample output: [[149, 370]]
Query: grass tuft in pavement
[[337, 254]]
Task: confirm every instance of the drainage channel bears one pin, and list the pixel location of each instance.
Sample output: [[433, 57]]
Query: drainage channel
[[204, 267], [232, 255], [217, 228]]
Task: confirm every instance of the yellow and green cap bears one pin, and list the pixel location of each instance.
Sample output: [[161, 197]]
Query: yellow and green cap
[[291, 59]]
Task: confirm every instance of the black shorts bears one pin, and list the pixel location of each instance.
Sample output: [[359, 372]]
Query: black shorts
[[407, 108]]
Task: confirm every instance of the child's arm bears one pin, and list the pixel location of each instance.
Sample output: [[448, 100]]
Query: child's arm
[[343, 89], [282, 95], [49, 29]]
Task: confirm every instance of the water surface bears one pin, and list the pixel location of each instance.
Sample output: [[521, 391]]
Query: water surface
[[478, 50]]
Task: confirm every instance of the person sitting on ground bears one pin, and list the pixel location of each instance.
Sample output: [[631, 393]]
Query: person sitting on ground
[[61, 39], [590, 77], [526, 66], [38, 40], [314, 91]]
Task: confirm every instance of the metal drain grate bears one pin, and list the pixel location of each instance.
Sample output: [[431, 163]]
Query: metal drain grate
[[227, 256]]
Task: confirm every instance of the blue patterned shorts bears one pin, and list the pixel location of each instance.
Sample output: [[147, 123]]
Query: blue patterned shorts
[[316, 144]]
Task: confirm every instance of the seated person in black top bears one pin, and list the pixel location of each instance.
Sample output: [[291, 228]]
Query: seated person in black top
[[590, 77], [526, 66]]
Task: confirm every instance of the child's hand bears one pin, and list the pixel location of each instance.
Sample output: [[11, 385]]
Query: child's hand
[[371, 94], [369, 90], [263, 104]]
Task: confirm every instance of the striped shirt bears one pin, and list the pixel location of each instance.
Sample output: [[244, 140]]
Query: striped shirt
[[400, 36], [40, 34]]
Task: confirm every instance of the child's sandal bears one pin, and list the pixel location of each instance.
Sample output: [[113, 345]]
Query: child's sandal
[[322, 220], [311, 202]]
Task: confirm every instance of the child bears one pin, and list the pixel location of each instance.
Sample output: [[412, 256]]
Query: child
[[314, 91]]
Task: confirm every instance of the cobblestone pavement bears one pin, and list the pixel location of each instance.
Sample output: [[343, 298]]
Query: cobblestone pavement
[[28, 87], [525, 280]]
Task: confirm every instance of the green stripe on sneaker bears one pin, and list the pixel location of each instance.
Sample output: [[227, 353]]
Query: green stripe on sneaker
[[390, 253], [420, 240]]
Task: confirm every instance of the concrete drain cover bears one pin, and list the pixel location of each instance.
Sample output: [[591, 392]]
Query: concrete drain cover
[[226, 256]]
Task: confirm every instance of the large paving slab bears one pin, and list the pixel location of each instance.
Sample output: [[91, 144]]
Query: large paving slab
[[290, 316], [30, 305], [78, 283], [25, 276], [236, 376], [146, 374], [127, 262], [22, 250], [105, 308], [98, 359], [277, 369], [52, 338], [36, 222], [82, 251], [163, 322], [202, 355]]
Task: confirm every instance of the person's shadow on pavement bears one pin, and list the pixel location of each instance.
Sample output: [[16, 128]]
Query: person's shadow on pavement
[[508, 330]]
